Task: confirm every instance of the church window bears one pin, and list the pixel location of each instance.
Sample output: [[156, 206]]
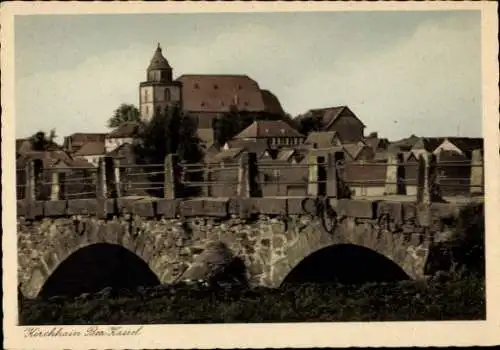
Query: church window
[[166, 95], [147, 111], [146, 96]]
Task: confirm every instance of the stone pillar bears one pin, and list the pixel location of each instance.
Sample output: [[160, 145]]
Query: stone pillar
[[29, 189], [117, 181], [102, 188], [428, 180], [243, 189], [313, 183], [171, 179], [55, 186], [477, 173], [332, 185], [391, 177]]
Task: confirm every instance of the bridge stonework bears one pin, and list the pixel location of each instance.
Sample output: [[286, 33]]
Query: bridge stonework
[[270, 235]]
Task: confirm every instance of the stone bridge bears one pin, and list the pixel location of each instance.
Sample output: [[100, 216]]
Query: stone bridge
[[271, 236]]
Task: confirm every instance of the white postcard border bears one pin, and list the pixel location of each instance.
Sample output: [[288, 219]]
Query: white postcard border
[[261, 335]]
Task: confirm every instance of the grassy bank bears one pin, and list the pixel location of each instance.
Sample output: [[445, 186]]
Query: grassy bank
[[459, 299]]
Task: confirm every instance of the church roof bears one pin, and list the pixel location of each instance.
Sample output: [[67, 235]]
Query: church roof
[[159, 61], [217, 93]]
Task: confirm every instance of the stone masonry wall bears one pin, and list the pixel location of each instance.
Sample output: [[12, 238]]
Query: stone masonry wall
[[271, 236]]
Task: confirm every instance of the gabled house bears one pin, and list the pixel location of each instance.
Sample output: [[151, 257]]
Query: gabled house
[[126, 133], [323, 139], [375, 143], [91, 152], [358, 151], [460, 145], [340, 119], [426, 144], [276, 133], [74, 142]]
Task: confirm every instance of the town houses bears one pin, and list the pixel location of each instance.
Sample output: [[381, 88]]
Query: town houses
[[272, 135]]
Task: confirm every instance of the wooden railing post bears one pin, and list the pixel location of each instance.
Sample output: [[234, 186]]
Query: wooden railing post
[[170, 179], [313, 178], [477, 173]]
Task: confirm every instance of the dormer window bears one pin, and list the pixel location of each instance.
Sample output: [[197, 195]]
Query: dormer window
[[245, 104]]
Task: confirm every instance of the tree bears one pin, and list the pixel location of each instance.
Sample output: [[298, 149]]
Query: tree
[[169, 131], [41, 142], [125, 113], [229, 124], [310, 123]]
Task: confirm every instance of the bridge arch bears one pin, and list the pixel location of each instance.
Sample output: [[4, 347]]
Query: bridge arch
[[96, 266], [347, 264], [139, 249], [398, 252]]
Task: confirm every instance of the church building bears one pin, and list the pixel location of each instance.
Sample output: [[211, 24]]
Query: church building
[[203, 96]]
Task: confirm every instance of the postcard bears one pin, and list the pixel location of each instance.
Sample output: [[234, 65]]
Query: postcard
[[250, 174]]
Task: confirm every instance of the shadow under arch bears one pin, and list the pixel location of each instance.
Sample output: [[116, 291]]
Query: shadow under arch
[[346, 264], [95, 267]]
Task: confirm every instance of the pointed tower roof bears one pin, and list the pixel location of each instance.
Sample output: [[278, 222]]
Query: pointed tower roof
[[159, 61]]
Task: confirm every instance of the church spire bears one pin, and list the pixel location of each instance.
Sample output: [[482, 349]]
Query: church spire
[[159, 61]]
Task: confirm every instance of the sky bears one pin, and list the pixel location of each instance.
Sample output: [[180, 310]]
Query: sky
[[401, 73]]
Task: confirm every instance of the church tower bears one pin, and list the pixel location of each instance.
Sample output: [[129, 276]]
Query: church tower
[[159, 90]]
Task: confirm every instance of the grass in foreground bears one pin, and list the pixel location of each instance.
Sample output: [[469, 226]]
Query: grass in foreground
[[462, 299]]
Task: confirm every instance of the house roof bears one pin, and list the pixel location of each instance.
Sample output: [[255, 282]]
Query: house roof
[[286, 154], [158, 61], [404, 144], [321, 138], [428, 143], [467, 143], [217, 93], [329, 115], [258, 145], [91, 149], [227, 155], [126, 130], [354, 148], [267, 129], [48, 158], [374, 142], [81, 138]]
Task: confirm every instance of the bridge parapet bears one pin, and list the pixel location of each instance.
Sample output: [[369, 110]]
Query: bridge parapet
[[239, 207]]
